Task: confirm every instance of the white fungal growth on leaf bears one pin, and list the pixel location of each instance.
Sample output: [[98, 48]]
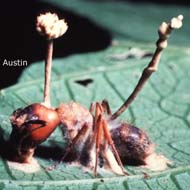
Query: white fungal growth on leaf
[[49, 25], [27, 168]]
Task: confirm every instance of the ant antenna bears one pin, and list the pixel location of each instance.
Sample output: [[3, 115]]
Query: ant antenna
[[164, 33]]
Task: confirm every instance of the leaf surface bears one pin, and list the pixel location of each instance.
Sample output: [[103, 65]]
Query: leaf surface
[[162, 109]]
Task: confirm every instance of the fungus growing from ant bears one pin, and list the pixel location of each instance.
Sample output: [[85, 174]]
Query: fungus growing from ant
[[94, 132], [33, 124]]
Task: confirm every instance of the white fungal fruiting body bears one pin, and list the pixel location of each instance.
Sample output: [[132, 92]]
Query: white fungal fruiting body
[[177, 22], [166, 28], [49, 25]]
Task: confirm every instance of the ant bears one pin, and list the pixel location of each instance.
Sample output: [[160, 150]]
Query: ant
[[92, 133]]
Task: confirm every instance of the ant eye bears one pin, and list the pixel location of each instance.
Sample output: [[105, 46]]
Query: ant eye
[[34, 117]]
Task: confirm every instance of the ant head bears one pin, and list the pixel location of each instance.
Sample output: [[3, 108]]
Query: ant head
[[36, 121], [21, 116]]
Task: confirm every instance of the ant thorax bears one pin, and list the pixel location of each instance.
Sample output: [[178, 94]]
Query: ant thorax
[[73, 116]]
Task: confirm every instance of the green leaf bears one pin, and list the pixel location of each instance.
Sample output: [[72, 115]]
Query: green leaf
[[162, 109]]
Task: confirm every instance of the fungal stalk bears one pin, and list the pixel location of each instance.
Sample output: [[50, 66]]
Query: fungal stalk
[[51, 27], [164, 32]]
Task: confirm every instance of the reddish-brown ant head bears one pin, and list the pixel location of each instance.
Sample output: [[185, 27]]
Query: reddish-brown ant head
[[30, 127], [36, 122]]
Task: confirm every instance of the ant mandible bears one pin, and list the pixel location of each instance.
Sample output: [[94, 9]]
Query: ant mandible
[[92, 133]]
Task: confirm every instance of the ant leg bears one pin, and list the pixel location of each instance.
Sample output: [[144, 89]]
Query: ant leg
[[91, 109], [164, 33], [97, 133], [106, 107], [83, 131], [102, 137], [111, 143]]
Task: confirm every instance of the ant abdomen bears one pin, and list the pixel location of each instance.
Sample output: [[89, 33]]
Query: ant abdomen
[[132, 143]]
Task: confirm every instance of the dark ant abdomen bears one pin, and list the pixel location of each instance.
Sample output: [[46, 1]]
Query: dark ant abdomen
[[132, 143]]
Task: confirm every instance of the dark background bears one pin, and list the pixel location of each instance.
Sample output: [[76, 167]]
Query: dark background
[[19, 39]]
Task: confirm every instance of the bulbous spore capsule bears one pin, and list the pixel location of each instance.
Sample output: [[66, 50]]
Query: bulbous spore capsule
[[132, 143]]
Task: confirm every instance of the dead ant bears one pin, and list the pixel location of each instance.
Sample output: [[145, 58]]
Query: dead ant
[[91, 137], [92, 133]]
